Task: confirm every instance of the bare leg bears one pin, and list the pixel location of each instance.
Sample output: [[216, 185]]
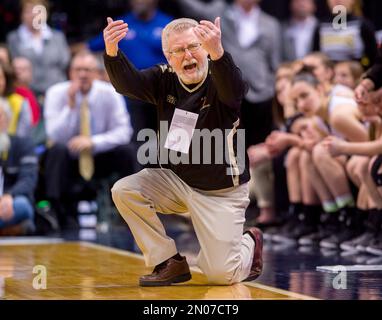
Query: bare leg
[[363, 199], [261, 188], [293, 175], [333, 173], [353, 170], [315, 179], [309, 194]]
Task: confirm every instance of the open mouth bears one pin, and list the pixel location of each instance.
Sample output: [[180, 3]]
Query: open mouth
[[190, 67]]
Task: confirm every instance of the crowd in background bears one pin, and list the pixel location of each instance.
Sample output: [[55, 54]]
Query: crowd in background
[[313, 146]]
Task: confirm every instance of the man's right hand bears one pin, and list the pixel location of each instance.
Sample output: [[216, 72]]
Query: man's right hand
[[73, 89], [114, 32]]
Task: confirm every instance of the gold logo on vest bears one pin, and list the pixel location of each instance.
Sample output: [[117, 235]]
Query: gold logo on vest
[[171, 99]]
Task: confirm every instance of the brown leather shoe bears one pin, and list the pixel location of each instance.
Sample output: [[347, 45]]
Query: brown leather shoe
[[166, 273], [14, 230], [257, 262]]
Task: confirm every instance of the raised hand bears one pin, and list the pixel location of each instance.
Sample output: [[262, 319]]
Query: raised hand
[[72, 90], [114, 32], [209, 35]]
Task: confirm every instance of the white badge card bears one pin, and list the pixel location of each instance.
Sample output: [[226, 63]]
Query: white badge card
[[181, 131]]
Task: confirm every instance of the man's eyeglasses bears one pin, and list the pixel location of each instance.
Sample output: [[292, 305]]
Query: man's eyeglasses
[[179, 52]]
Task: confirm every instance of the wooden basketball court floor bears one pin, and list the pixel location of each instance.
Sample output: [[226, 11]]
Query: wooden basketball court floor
[[82, 270]]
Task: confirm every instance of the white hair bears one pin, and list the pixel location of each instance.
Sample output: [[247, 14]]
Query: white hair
[[178, 26]]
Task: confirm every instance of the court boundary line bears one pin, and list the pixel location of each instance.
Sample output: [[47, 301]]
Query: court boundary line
[[197, 270], [25, 241]]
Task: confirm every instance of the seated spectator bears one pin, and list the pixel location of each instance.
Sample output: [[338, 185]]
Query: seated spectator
[[326, 175], [46, 48], [355, 42], [23, 78], [368, 95], [88, 130], [366, 174], [267, 187], [20, 123], [348, 73], [322, 68], [18, 177]]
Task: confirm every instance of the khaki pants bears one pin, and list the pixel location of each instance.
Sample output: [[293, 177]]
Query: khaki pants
[[218, 217]]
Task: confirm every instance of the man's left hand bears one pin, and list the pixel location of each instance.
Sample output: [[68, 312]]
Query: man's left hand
[[80, 143], [6, 207], [209, 35]]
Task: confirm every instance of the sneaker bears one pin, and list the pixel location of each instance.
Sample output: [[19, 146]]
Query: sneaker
[[314, 238], [335, 240], [358, 243], [295, 234], [257, 262], [168, 272], [375, 246], [374, 261], [268, 233], [285, 230]]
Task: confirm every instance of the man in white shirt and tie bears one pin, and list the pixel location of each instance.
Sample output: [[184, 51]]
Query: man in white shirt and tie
[[88, 130]]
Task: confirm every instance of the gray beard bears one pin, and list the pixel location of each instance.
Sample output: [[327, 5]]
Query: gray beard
[[5, 142]]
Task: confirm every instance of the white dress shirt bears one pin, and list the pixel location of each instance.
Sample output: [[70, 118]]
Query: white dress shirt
[[247, 25], [109, 119], [301, 32]]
